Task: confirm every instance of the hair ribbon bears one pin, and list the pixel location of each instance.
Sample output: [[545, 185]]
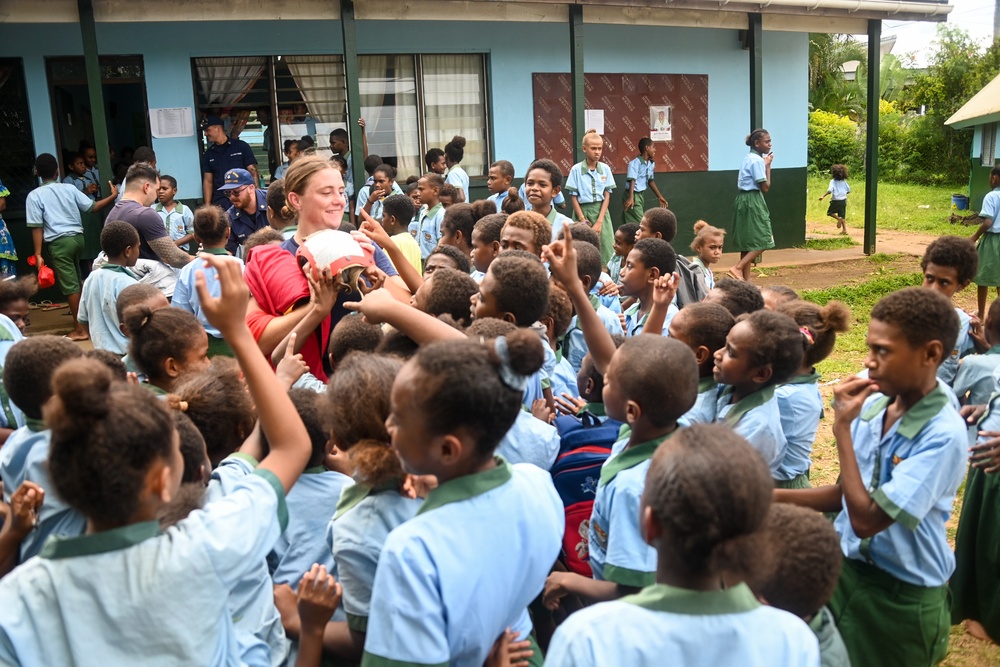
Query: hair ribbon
[[808, 334]]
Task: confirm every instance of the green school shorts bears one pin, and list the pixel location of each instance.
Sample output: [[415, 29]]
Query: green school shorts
[[65, 254], [635, 213], [797, 482], [886, 622], [837, 207]]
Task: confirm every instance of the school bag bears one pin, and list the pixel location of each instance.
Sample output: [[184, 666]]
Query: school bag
[[692, 287], [584, 445]]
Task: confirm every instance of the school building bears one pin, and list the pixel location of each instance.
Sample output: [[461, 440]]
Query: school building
[[519, 80]]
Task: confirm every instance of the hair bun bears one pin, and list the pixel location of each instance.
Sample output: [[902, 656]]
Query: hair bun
[[136, 316], [525, 350], [83, 386], [458, 141]]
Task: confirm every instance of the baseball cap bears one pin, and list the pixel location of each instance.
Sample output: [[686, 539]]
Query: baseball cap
[[236, 178], [211, 120]]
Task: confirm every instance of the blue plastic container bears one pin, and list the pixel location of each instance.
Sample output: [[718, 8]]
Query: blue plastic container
[[960, 202]]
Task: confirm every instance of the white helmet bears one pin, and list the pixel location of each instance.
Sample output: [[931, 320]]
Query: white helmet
[[334, 250]]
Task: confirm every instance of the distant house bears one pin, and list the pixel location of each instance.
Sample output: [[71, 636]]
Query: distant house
[[982, 113]]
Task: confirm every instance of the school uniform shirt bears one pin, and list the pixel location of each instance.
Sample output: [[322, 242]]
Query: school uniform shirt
[[640, 171], [530, 440], [10, 415], [707, 272], [497, 199], [251, 595], [832, 652], [311, 503], [452, 578], [185, 294], [80, 183], [838, 190], [98, 306], [522, 192], [975, 377], [617, 551], [161, 595], [178, 222], [963, 345], [243, 223], [615, 268], [459, 178], [563, 377], [377, 206], [93, 176], [558, 221], [991, 209], [663, 625], [364, 518], [279, 173], [477, 276], [752, 172], [913, 473], [758, 419], [634, 324], [705, 406], [429, 228], [574, 344], [56, 208], [220, 158], [611, 302], [146, 222], [589, 185], [25, 457], [801, 408]]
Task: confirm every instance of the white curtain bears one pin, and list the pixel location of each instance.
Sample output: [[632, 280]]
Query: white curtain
[[224, 81], [322, 84], [389, 107], [455, 104]]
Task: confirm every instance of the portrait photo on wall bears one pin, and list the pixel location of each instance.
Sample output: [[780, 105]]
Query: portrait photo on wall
[[660, 123]]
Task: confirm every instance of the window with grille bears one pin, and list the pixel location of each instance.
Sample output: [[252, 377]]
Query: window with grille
[[989, 144]]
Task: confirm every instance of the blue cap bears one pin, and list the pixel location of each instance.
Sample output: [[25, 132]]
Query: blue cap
[[211, 120], [236, 178]]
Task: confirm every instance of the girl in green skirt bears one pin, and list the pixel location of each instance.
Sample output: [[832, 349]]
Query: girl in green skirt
[[751, 219], [988, 237], [589, 187]]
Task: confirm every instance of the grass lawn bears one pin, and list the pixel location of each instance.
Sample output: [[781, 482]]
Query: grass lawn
[[900, 207]]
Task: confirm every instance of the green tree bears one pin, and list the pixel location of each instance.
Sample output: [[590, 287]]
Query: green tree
[[828, 88]]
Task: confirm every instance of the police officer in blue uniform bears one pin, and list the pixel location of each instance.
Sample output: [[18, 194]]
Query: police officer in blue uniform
[[222, 155]]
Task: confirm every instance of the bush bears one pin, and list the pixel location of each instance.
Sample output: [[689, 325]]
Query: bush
[[833, 139]]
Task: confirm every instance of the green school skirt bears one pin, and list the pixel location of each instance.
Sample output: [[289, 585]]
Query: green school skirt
[[975, 585], [590, 212], [988, 274], [798, 482], [751, 222], [634, 214], [886, 622]]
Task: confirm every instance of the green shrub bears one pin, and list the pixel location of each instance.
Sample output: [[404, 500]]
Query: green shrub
[[833, 139]]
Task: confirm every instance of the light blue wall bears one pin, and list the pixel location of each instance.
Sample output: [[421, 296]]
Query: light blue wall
[[515, 50]]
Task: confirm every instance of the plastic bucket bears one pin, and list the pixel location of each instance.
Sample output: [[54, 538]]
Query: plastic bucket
[[960, 202]]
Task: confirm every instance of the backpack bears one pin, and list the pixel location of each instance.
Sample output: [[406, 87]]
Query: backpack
[[585, 444], [692, 287]]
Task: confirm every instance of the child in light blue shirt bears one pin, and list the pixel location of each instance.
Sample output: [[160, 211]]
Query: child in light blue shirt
[[99, 300], [428, 227], [703, 327], [974, 383], [498, 180], [987, 239], [589, 186], [177, 218], [574, 346]]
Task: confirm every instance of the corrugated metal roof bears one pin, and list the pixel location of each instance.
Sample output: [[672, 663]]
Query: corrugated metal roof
[[984, 107]]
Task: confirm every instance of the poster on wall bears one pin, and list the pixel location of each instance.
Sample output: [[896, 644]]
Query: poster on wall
[[660, 123], [171, 122]]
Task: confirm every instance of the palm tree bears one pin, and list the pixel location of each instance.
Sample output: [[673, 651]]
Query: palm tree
[[828, 88]]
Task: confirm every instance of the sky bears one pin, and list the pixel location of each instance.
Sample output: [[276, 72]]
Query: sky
[[974, 16]]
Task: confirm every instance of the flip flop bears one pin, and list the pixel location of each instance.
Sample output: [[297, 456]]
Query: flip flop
[[54, 306]]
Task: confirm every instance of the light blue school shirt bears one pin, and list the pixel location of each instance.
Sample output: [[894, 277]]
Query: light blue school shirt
[[832, 651], [429, 229], [98, 306], [615, 268], [522, 192], [138, 595], [185, 294], [838, 190], [705, 406], [663, 625], [477, 276], [251, 596], [25, 457], [617, 551], [913, 473], [558, 222], [457, 177], [179, 222], [707, 272], [311, 504], [533, 389], [611, 302], [963, 345], [56, 208], [575, 346], [93, 175], [80, 183], [635, 324], [991, 209], [801, 408], [752, 172], [10, 415], [452, 578], [640, 171], [563, 377], [356, 534], [497, 199], [530, 440], [589, 185], [378, 207], [279, 173], [758, 419], [975, 377]]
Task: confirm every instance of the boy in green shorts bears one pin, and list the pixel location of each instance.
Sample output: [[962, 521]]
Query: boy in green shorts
[[53, 214], [902, 454]]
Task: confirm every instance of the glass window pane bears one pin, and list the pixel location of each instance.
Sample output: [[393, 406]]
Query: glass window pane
[[389, 107], [455, 104], [312, 97]]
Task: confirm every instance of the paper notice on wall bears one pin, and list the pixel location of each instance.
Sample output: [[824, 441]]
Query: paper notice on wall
[[172, 122], [594, 119], [661, 122]]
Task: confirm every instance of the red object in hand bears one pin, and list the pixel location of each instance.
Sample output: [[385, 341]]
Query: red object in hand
[[46, 276]]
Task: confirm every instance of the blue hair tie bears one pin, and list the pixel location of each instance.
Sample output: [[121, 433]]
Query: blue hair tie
[[511, 378]]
